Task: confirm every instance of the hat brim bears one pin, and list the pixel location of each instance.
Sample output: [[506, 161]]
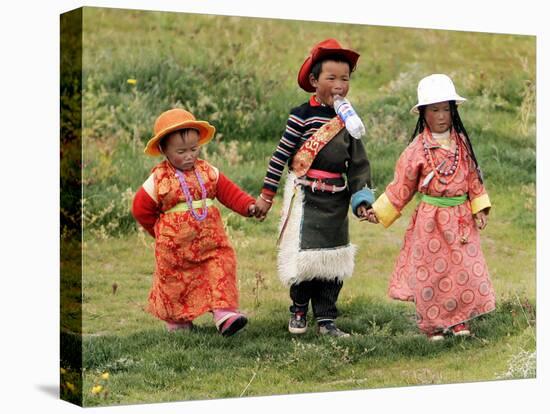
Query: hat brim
[[458, 100], [206, 133], [303, 75]]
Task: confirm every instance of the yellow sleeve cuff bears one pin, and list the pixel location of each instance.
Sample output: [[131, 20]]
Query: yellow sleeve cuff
[[480, 203], [385, 211]]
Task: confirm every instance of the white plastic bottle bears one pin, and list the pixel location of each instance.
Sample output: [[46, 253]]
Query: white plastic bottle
[[347, 114]]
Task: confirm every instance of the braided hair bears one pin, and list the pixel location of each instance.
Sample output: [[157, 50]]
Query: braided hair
[[458, 127]]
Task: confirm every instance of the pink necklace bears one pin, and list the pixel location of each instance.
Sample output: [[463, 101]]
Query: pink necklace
[[185, 188]]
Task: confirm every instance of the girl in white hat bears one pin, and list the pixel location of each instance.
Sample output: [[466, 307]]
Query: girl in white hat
[[440, 267]]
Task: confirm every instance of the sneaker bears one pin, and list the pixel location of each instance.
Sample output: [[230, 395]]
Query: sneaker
[[435, 336], [330, 329], [229, 322], [297, 323], [233, 325], [461, 329]]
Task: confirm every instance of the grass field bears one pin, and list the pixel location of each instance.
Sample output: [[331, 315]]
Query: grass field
[[239, 73]]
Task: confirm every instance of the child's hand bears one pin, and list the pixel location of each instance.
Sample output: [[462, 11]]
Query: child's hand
[[481, 219], [263, 204], [362, 212], [370, 216], [251, 210]]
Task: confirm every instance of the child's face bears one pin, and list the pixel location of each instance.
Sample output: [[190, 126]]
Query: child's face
[[438, 117], [182, 149], [333, 80]]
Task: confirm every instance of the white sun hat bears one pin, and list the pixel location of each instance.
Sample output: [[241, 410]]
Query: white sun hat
[[436, 88]]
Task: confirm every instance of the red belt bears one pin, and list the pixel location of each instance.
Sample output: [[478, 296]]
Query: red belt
[[317, 185], [320, 174]]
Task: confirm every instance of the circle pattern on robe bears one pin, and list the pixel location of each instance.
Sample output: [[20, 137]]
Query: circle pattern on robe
[[437, 186], [417, 252], [395, 178], [484, 288], [462, 277], [450, 304], [456, 257], [459, 210], [427, 294], [432, 312], [404, 193], [488, 306], [428, 208], [440, 265], [411, 282], [471, 249], [476, 186], [429, 225], [445, 284], [460, 176], [443, 216], [467, 296], [409, 173], [449, 236], [478, 269], [422, 273], [434, 245]]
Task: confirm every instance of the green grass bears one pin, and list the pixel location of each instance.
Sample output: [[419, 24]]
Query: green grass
[[148, 364], [239, 73]]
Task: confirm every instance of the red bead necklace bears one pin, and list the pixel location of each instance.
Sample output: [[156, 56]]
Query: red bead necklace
[[443, 175]]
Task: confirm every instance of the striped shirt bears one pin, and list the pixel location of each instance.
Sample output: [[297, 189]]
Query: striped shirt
[[302, 123]]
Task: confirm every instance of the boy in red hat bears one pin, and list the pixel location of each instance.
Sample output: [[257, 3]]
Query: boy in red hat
[[195, 268], [328, 168]]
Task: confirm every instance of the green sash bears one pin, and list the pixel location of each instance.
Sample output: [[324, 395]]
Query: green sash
[[444, 201]]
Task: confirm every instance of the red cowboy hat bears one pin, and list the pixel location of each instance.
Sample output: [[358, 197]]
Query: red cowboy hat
[[320, 50]]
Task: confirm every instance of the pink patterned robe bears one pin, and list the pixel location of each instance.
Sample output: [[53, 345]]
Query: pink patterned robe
[[440, 266]]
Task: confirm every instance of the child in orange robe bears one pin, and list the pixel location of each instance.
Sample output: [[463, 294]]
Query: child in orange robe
[[195, 268]]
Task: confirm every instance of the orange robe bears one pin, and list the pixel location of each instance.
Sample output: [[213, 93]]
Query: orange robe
[[195, 269], [440, 267]]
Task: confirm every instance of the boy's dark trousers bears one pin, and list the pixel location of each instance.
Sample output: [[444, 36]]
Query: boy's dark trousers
[[323, 295]]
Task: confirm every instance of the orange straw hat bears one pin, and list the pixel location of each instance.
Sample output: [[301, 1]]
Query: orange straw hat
[[173, 120], [329, 47]]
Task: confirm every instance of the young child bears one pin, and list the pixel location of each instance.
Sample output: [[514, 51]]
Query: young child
[[440, 267], [327, 168], [195, 268]]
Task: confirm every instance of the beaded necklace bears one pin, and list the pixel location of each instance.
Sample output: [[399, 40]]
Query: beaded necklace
[[185, 188], [443, 175]]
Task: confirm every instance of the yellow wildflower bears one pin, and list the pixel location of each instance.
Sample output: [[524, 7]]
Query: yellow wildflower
[[132, 81], [70, 386], [105, 376], [63, 370], [97, 389]]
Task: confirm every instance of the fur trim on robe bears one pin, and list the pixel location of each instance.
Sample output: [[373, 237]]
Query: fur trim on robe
[[296, 265]]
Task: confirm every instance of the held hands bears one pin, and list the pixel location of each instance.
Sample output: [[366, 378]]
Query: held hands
[[263, 204], [481, 219], [368, 214]]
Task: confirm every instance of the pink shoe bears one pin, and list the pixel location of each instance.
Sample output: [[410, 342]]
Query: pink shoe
[[229, 322], [183, 326]]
